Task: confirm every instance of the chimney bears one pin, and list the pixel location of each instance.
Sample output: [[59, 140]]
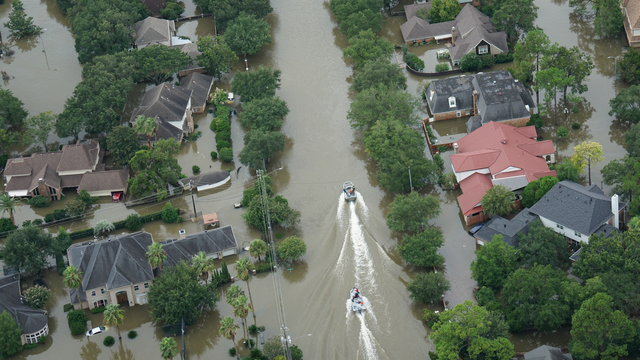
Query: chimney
[[615, 211], [455, 148], [453, 36], [475, 102]]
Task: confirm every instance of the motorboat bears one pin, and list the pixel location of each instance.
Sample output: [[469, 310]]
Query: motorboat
[[349, 191], [357, 302]]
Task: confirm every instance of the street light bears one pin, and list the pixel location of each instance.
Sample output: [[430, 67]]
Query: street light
[[615, 65]]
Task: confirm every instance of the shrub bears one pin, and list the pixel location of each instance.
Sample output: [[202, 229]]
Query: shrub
[[442, 148], [49, 218], [437, 159], [36, 222], [223, 124], [262, 267], [4, 157], [488, 61], [222, 144], [98, 310], [108, 341], [59, 214], [223, 135], [42, 339], [37, 296], [77, 322], [67, 307], [232, 351], [29, 346], [214, 155], [536, 121], [6, 225], [442, 67], [39, 201], [226, 154], [503, 58], [213, 124], [103, 227], [195, 169], [414, 62], [253, 329], [563, 132], [132, 334], [170, 214], [133, 222], [471, 62], [575, 126]]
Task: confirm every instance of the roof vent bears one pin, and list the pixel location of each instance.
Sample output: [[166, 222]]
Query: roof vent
[[494, 82]]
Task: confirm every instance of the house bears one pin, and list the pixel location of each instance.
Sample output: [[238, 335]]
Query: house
[[116, 271], [201, 85], [546, 352], [48, 174], [578, 212], [497, 154], [631, 12], [34, 322], [151, 31], [216, 243], [492, 96], [509, 229], [105, 183], [206, 181], [190, 49], [170, 107], [471, 31]]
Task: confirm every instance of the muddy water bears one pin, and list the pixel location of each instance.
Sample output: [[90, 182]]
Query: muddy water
[[348, 244]]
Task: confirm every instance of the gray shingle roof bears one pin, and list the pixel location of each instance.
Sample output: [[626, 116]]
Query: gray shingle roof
[[113, 263], [31, 320], [575, 207], [166, 101], [209, 241], [153, 31], [546, 352], [460, 87], [509, 229], [201, 86]]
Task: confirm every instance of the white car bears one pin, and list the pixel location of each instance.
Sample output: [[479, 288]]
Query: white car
[[96, 330], [230, 96]]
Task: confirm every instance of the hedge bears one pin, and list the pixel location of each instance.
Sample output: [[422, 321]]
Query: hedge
[[77, 321], [262, 267], [118, 224], [99, 309]]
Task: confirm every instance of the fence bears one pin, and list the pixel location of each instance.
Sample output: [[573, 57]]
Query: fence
[[435, 74], [187, 18]]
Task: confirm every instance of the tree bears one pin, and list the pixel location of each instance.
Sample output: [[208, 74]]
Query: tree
[[171, 11], [624, 175], [585, 154], [362, 20], [626, 105], [609, 19], [224, 11], [515, 17], [494, 262], [535, 299], [256, 84], [168, 348], [471, 62], [598, 331], [379, 72], [71, 121], [565, 170], [498, 200], [260, 146], [123, 143], [12, 115], [228, 329], [215, 55], [37, 296], [258, 248], [599, 256], [414, 62], [177, 294], [73, 279], [469, 331], [146, 126], [243, 268], [535, 190], [632, 140], [10, 335], [103, 227], [575, 66], [241, 308], [629, 66], [412, 212], [291, 249], [19, 24], [40, 126], [381, 103], [367, 46], [156, 256], [202, 265], [443, 10], [421, 249], [528, 53], [26, 250], [9, 204], [113, 316], [247, 34], [155, 168], [157, 63], [551, 80], [265, 114], [281, 214], [428, 287], [542, 246]]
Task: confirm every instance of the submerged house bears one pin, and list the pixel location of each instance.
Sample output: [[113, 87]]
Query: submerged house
[[216, 243], [33, 322], [152, 31], [201, 85]]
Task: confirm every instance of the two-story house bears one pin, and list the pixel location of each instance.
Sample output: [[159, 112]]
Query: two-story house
[[33, 322], [631, 12]]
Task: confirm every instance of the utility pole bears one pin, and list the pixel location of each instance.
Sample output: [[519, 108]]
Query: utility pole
[[184, 348], [192, 199], [410, 182]]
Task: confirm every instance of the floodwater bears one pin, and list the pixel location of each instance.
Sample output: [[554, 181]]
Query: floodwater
[[347, 244]]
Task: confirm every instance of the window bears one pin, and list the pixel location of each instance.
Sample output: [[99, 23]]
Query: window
[[559, 226], [100, 303], [102, 291], [146, 285], [452, 101], [93, 293], [52, 191], [577, 234], [484, 49], [458, 113], [136, 288], [35, 192]]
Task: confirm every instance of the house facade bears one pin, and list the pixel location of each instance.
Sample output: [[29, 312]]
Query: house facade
[[116, 271], [497, 154], [631, 12], [492, 96], [34, 322]]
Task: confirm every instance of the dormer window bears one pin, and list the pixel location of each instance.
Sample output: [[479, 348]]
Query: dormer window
[[452, 101]]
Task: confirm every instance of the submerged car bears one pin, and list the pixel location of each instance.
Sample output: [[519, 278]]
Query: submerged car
[[96, 330]]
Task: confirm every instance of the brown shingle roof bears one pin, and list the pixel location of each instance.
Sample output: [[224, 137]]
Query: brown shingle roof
[[153, 31], [201, 86], [114, 180], [81, 156]]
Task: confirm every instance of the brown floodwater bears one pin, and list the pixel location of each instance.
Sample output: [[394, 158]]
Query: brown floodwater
[[347, 244]]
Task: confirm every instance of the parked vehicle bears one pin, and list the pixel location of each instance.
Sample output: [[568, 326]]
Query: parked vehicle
[[96, 330]]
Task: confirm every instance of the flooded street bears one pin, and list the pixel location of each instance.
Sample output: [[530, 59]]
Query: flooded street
[[347, 243]]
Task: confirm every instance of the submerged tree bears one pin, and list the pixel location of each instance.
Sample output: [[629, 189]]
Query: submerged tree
[[19, 24]]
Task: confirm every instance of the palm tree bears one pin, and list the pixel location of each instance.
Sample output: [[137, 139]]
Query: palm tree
[[241, 308], [156, 256], [243, 266], [73, 279], [146, 126], [113, 315], [228, 329], [168, 348], [208, 267], [9, 204], [233, 292], [198, 262], [258, 248]]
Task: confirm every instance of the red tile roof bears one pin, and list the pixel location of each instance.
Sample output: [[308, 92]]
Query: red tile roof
[[473, 189]]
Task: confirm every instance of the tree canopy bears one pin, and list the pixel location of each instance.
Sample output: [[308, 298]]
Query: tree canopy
[[26, 250], [178, 293], [291, 249], [606, 14], [626, 105], [40, 126], [566, 170], [629, 66], [515, 17], [215, 55], [498, 201], [154, 168], [443, 10], [123, 143], [256, 84], [411, 213], [421, 249], [542, 246], [281, 214], [10, 335], [382, 103], [428, 287], [157, 63], [247, 34], [367, 46], [528, 53], [12, 116], [586, 154], [632, 140], [224, 11], [494, 262], [355, 16], [259, 146], [574, 64], [535, 190], [379, 72], [19, 24], [265, 114]]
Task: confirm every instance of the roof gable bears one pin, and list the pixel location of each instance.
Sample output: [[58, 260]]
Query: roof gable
[[152, 30], [201, 86]]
